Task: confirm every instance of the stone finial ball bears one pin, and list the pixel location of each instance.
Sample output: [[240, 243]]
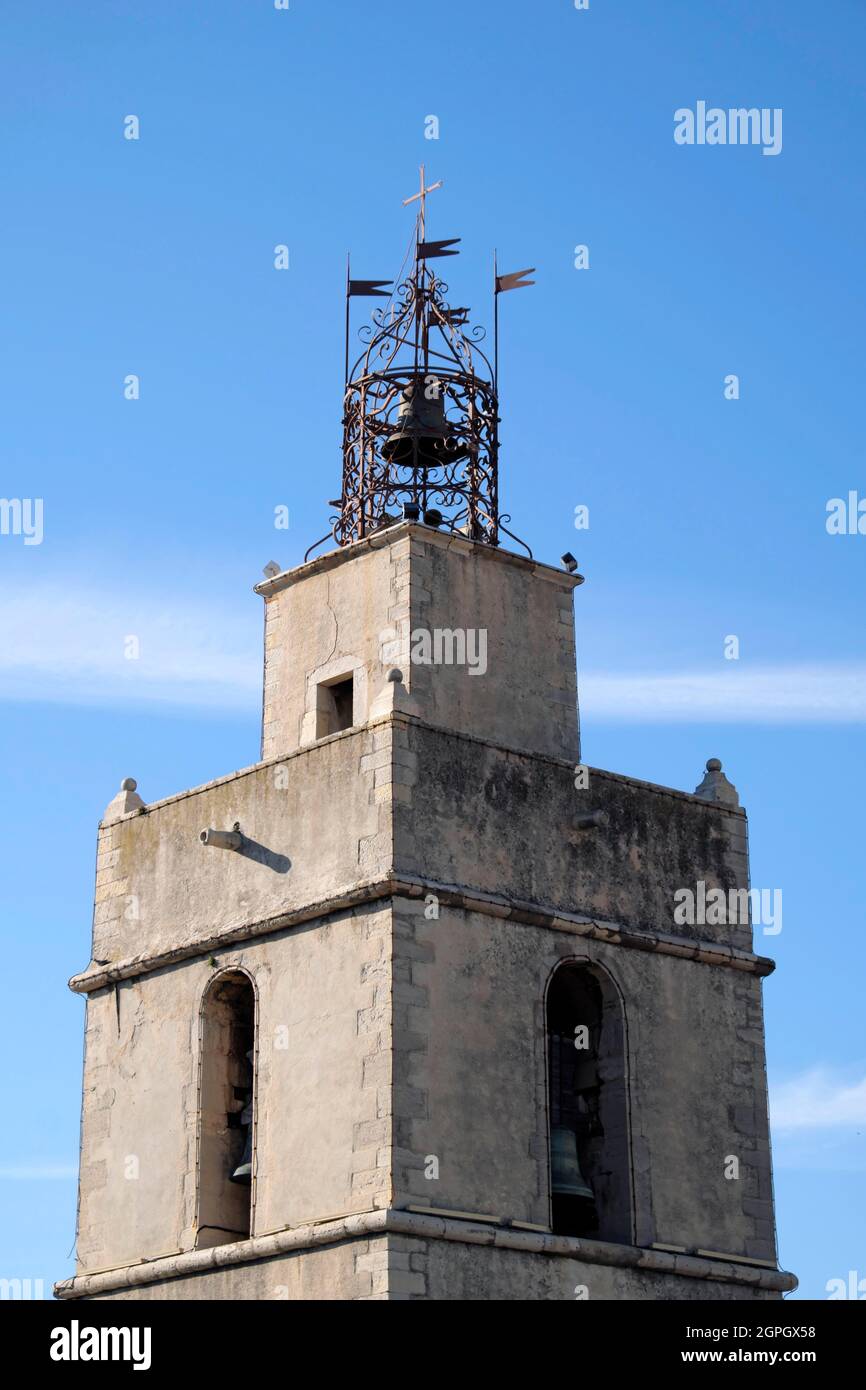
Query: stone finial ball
[[394, 674], [128, 784], [714, 765]]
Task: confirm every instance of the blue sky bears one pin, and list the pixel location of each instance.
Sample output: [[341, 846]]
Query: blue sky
[[707, 516]]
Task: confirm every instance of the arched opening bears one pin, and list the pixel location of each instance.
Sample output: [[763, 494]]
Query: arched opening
[[226, 1097], [590, 1170]]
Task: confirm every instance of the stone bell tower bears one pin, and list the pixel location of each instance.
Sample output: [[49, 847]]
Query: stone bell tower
[[404, 1010]]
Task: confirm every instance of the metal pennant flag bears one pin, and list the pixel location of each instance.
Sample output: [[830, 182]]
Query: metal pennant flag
[[369, 288], [428, 249], [515, 280]]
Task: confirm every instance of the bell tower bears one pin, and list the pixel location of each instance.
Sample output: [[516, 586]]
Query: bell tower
[[405, 1009]]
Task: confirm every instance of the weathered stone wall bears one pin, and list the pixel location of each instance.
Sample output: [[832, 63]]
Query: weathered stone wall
[[504, 822], [313, 825], [323, 1073], [468, 813], [470, 1080], [449, 1271], [353, 612], [526, 695], [350, 1271], [322, 622]]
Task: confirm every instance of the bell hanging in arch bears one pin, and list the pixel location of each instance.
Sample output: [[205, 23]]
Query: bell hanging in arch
[[573, 1205], [421, 429], [566, 1179], [243, 1173]]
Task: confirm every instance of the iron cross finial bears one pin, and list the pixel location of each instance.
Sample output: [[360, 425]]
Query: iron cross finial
[[422, 195]]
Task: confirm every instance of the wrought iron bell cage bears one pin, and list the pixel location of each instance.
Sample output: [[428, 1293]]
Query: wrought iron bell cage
[[420, 408], [422, 366]]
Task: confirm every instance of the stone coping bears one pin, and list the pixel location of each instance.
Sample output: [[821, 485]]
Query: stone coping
[[393, 1221], [470, 900], [406, 720], [401, 530]]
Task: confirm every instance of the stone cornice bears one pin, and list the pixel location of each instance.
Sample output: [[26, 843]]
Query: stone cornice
[[450, 895], [370, 1224]]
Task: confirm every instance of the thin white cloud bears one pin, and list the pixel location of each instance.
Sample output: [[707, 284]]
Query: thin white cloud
[[68, 646], [39, 1172], [818, 1099], [71, 646], [773, 694]]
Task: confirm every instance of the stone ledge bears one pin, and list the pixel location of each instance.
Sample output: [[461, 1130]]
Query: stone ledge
[[397, 1222], [470, 900]]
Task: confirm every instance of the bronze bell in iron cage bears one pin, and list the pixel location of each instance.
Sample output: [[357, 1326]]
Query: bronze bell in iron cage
[[421, 429]]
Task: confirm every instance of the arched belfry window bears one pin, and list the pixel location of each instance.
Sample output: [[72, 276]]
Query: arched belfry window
[[227, 1057], [590, 1168]]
